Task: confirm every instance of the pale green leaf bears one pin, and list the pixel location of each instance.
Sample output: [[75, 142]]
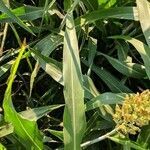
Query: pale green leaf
[[37, 113], [143, 8], [50, 66], [74, 114], [92, 46], [105, 99], [129, 13], [90, 90], [6, 130], [46, 46]]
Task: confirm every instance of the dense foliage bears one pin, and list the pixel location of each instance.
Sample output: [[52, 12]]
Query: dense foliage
[[69, 74]]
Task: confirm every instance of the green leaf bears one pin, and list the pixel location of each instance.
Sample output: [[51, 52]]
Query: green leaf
[[67, 4], [122, 49], [129, 13], [58, 134], [2, 147], [143, 8], [55, 71], [24, 13], [37, 113], [30, 114], [144, 137], [97, 123], [26, 130], [49, 65], [4, 68], [92, 46], [48, 44], [143, 50], [110, 3], [90, 90], [5, 10], [129, 69], [74, 115], [91, 4], [125, 141], [126, 147], [107, 3], [113, 83], [105, 99]]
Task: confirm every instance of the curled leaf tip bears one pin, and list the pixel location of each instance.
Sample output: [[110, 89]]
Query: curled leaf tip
[[24, 43]]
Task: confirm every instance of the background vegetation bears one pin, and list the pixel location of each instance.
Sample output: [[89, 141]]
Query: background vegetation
[[65, 65]]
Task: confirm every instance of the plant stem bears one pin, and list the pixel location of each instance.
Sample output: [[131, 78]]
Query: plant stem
[[99, 138]]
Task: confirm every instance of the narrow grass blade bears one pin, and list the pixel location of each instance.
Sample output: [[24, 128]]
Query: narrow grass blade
[[144, 137], [53, 68], [46, 46], [122, 50], [90, 90], [26, 130], [49, 65], [5, 10], [4, 68], [129, 69], [58, 134], [126, 141], [129, 13], [74, 114], [37, 113], [105, 99], [143, 50], [112, 82], [92, 46], [33, 76], [25, 13], [91, 4], [143, 8]]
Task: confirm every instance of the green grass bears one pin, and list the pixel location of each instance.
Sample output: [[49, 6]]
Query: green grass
[[79, 60]]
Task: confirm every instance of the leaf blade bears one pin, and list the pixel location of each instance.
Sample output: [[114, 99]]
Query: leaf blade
[[4, 9], [26, 130], [144, 13], [73, 89], [142, 49], [129, 13]]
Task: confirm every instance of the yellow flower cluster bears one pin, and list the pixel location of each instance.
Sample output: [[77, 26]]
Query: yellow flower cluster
[[134, 113]]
